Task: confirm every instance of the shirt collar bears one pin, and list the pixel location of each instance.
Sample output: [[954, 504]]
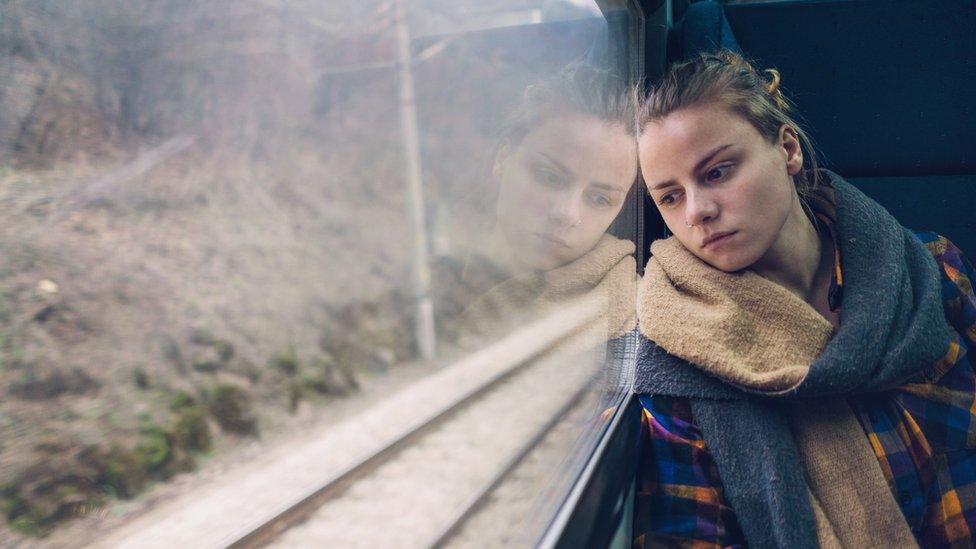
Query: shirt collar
[[824, 207]]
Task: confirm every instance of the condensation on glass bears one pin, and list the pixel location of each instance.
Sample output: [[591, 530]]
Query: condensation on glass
[[229, 231]]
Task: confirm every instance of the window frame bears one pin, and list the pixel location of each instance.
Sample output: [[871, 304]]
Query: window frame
[[598, 509]]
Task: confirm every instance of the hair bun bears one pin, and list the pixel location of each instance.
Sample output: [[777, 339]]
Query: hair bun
[[773, 88]]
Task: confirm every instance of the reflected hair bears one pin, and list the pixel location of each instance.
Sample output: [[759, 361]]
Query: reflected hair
[[577, 89], [727, 79]]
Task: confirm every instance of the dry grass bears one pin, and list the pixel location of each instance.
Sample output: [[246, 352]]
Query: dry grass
[[187, 195]]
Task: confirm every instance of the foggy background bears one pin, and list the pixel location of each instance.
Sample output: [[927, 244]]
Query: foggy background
[[204, 223]]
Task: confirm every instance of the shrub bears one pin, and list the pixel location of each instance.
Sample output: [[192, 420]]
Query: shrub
[[124, 472], [202, 336], [190, 430], [225, 350], [172, 353], [206, 366], [141, 378], [30, 386], [180, 400], [330, 378], [154, 448], [316, 384], [62, 483], [294, 395], [12, 504], [32, 523], [286, 362], [231, 407]]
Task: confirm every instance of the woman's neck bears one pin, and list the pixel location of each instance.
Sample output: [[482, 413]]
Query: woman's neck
[[798, 260]]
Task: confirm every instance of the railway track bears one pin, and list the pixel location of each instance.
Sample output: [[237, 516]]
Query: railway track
[[416, 467], [426, 490], [526, 492]]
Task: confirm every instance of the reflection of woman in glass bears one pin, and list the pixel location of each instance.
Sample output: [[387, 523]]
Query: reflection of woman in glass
[[800, 382], [564, 167]]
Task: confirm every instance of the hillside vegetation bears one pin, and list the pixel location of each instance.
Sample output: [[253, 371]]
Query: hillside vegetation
[[202, 222]]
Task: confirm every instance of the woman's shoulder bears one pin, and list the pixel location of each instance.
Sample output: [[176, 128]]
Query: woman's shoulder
[[959, 304], [944, 250], [940, 398], [957, 275]]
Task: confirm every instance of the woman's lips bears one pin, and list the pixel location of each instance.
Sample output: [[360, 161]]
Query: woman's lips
[[717, 240], [552, 240]]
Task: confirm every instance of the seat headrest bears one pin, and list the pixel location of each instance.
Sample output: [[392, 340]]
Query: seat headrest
[[704, 28]]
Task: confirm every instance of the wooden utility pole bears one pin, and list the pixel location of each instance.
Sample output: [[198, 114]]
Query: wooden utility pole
[[424, 327]]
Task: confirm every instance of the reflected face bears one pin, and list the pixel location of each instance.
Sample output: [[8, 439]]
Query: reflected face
[[710, 168], [561, 187]]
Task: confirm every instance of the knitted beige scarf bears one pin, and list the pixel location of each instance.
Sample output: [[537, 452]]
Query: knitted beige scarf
[[755, 335], [607, 274]]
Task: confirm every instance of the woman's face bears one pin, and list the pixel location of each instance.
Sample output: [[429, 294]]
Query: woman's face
[[561, 187], [710, 168]]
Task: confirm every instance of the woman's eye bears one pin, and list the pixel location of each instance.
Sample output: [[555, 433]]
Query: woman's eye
[[549, 177], [667, 200], [718, 173], [599, 200]]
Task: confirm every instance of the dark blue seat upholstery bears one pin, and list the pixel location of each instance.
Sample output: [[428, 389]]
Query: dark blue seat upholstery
[[703, 28]]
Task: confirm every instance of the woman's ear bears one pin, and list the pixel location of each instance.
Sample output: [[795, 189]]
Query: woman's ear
[[501, 155], [789, 140]]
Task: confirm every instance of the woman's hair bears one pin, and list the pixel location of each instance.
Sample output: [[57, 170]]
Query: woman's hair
[[727, 79], [577, 89]]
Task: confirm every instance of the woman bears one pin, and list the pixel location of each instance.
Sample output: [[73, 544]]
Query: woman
[[802, 362], [564, 166]]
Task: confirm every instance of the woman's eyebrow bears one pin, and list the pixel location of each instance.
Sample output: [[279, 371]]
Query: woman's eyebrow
[[607, 187], [557, 164], [701, 163]]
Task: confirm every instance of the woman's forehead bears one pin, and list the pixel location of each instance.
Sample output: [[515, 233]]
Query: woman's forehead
[[585, 145], [682, 138]]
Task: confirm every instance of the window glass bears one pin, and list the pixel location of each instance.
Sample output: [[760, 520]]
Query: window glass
[[246, 245]]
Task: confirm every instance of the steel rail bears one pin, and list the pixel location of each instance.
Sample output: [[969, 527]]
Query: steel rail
[[473, 505], [553, 329]]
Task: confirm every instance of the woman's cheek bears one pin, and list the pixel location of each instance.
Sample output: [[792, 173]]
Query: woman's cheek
[[602, 219], [534, 201], [672, 218], [517, 197]]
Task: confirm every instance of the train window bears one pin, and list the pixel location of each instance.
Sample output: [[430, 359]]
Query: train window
[[311, 273]]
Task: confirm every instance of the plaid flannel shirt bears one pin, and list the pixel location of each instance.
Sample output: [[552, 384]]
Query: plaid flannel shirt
[[923, 434]]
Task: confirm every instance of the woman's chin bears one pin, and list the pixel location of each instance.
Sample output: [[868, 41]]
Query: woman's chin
[[542, 263], [727, 262], [541, 257]]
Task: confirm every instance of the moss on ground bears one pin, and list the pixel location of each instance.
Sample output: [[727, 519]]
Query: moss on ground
[[72, 478]]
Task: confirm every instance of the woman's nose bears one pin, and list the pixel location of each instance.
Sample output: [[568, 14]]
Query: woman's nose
[[566, 210], [700, 208]]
